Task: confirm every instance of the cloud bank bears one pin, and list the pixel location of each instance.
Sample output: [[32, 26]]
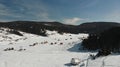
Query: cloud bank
[[72, 21]]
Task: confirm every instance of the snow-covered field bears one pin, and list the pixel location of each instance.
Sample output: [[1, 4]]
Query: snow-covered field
[[55, 50]]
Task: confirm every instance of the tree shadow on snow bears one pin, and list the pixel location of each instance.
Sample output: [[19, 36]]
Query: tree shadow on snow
[[75, 48], [78, 48], [68, 64]]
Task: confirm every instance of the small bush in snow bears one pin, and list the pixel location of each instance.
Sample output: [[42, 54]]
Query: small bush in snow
[[58, 39], [21, 49], [61, 43], [51, 43], [55, 43], [41, 42], [45, 42], [34, 44], [8, 49], [65, 39]]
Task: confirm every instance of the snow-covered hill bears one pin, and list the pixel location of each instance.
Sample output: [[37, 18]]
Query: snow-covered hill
[[55, 50]]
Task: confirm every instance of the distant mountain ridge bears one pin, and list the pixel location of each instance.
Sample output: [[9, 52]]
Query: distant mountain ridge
[[39, 28]]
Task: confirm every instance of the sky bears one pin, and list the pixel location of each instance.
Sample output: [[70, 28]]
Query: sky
[[65, 11]]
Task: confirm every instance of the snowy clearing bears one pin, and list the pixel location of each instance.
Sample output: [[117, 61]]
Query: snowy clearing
[[56, 50]]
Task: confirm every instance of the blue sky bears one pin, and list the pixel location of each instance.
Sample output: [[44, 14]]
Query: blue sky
[[65, 11]]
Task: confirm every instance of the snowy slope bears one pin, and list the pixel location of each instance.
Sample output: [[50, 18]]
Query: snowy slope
[[35, 51], [56, 50]]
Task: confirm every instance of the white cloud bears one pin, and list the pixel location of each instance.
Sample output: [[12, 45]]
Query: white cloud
[[24, 10], [72, 21], [37, 9]]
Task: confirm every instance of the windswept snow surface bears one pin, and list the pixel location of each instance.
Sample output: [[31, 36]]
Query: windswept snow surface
[[55, 50]]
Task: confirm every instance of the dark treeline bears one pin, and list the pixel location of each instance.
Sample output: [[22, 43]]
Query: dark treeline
[[108, 40], [40, 28], [15, 32], [97, 27]]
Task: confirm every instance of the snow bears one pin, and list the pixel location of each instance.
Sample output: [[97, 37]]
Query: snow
[[55, 50]]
